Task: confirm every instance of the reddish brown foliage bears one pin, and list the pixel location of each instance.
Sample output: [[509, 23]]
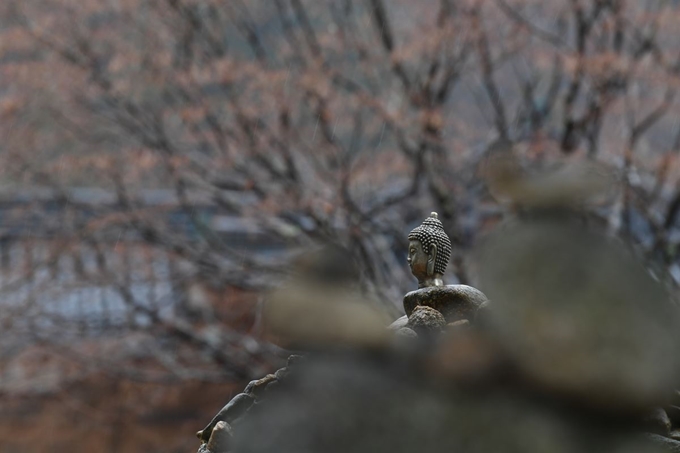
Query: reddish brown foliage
[[275, 125]]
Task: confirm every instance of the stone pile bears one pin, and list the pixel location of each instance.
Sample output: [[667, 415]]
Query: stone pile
[[217, 436], [575, 351]]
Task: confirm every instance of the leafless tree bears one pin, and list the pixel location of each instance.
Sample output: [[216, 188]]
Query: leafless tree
[[305, 123]]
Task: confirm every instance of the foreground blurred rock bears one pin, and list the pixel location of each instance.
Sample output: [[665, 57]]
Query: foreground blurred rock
[[321, 306], [576, 352], [578, 315], [361, 405]]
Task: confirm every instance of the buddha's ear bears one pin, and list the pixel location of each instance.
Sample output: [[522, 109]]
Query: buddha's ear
[[431, 258]]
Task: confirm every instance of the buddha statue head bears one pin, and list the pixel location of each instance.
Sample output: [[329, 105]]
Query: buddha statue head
[[429, 250]]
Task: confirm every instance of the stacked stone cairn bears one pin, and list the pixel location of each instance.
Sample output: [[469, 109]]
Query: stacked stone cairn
[[575, 350], [217, 436]]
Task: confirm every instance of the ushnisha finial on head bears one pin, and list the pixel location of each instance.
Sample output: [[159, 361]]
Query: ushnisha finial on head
[[429, 252]]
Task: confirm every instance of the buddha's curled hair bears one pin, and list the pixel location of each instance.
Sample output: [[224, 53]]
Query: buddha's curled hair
[[431, 231]]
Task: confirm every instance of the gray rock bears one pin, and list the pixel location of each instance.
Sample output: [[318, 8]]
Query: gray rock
[[657, 422], [666, 445], [229, 413], [281, 374], [341, 406], [578, 315], [399, 323], [272, 387], [406, 332], [293, 359], [455, 302], [406, 341], [426, 320], [674, 415], [220, 439], [256, 387]]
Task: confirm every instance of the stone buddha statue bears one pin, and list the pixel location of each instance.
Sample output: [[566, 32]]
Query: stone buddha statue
[[429, 251]]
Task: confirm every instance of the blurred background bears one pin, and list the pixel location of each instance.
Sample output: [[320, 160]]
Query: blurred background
[[162, 161]]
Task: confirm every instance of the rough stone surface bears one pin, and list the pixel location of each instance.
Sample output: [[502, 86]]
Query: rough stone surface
[[256, 387], [455, 302], [293, 359], [426, 319], [220, 439], [229, 413], [281, 374]]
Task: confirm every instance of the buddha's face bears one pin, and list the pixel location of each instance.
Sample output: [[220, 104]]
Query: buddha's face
[[417, 259]]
